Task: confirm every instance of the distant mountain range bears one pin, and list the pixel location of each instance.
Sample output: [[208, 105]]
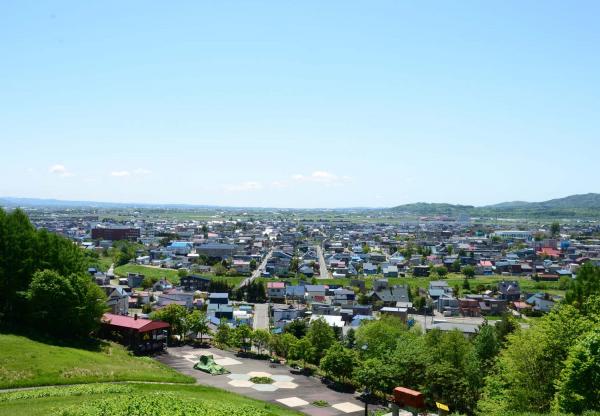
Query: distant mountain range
[[585, 205]]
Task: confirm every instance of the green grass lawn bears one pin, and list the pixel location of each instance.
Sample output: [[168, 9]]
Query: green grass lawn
[[25, 362], [28, 403], [151, 272], [170, 274]]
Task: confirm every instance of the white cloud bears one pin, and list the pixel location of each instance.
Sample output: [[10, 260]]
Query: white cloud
[[244, 187], [321, 176], [135, 172], [279, 184], [60, 170], [141, 171]]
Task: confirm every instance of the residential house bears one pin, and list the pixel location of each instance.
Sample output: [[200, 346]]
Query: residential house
[[117, 299], [437, 288], [194, 282], [390, 271], [390, 296], [509, 290], [276, 291], [174, 296], [135, 279]]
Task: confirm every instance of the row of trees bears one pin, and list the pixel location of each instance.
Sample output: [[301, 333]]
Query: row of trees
[[43, 284]]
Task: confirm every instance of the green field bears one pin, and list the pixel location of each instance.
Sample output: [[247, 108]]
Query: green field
[[25, 362], [453, 279], [161, 399], [152, 272], [170, 274]]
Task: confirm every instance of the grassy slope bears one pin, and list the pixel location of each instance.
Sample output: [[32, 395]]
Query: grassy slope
[[24, 362], [44, 406]]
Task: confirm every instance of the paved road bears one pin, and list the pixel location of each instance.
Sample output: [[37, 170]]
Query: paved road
[[324, 274], [261, 316], [300, 393], [256, 273]]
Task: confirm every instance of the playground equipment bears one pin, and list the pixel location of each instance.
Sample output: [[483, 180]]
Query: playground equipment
[[208, 365]]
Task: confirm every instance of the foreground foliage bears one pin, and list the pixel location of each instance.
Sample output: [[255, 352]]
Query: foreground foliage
[[158, 404], [146, 399]]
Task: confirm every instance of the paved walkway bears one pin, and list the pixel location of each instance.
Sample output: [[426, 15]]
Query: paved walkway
[[261, 316], [292, 390]]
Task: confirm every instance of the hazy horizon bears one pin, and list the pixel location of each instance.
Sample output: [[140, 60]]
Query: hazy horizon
[[184, 204], [312, 104]]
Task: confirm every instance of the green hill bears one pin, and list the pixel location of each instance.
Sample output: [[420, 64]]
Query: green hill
[[24, 362], [583, 206]]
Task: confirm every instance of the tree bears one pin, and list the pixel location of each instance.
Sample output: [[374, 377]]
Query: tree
[[261, 339], [578, 388], [486, 346], [281, 344], [506, 326], [350, 338], [219, 286], [197, 322], [321, 336], [223, 336], [586, 283], [175, 315], [148, 282], [242, 337], [466, 285], [255, 292], [339, 362], [219, 269], [24, 251], [376, 338], [441, 271], [302, 350], [554, 229], [372, 374], [452, 375], [408, 361], [298, 328], [69, 307], [468, 271], [527, 370]]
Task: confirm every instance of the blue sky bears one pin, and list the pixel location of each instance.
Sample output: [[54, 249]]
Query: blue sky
[[299, 104]]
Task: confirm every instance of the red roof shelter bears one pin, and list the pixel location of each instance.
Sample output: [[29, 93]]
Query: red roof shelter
[[141, 335]]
